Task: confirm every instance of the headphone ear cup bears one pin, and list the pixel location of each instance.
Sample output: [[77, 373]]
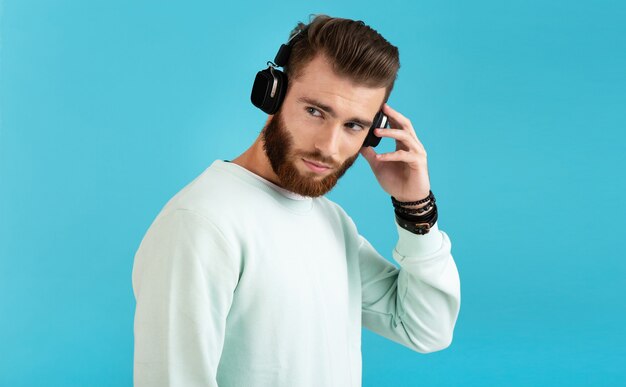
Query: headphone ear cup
[[281, 90], [268, 91], [380, 121], [371, 139]]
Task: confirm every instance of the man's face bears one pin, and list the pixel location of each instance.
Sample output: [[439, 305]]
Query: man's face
[[323, 121]]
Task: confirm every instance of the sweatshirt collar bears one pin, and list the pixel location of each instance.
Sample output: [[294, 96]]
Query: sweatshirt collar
[[286, 197]]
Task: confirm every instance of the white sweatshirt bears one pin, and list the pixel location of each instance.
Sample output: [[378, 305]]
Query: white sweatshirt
[[239, 282]]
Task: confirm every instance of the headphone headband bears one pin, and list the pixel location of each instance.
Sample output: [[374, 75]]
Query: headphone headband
[[282, 56]]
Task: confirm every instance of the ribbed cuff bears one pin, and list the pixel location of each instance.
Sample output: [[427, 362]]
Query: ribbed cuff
[[415, 245]]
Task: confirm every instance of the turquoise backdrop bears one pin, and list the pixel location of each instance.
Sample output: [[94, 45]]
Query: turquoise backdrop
[[108, 108]]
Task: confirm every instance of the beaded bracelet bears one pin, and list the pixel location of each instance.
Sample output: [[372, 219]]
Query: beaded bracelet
[[397, 202]]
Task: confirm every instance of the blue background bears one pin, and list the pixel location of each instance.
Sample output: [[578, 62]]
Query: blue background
[[108, 108]]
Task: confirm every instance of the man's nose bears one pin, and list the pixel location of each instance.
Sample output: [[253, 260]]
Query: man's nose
[[328, 141]]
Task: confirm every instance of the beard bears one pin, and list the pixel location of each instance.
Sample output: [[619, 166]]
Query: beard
[[278, 146]]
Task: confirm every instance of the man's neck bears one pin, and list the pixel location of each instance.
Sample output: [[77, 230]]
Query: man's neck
[[255, 160]]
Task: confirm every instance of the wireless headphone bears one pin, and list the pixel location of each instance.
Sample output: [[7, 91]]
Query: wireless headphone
[[270, 87]]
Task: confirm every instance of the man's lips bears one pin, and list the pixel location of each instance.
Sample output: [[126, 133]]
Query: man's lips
[[316, 166]]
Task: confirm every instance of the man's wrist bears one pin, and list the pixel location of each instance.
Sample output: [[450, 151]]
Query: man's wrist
[[417, 224], [416, 216]]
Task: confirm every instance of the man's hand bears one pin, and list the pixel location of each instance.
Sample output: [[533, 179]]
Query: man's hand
[[403, 174]]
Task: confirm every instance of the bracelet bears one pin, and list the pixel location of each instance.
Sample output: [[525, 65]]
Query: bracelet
[[399, 203], [418, 225], [415, 210], [417, 218]]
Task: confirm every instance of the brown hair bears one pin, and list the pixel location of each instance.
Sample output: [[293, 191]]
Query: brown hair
[[355, 50]]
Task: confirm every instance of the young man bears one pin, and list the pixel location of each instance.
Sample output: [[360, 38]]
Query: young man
[[250, 276]]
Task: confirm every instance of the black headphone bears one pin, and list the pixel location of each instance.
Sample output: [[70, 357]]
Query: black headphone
[[270, 87]]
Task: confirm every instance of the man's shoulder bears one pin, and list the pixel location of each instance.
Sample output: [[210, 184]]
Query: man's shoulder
[[208, 194]]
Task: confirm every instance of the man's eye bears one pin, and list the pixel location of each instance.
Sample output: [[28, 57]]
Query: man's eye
[[311, 110], [356, 127]]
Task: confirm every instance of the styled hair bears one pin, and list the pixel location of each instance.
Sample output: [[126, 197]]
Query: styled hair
[[354, 49]]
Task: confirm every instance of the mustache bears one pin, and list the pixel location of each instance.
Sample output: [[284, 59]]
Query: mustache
[[320, 159]]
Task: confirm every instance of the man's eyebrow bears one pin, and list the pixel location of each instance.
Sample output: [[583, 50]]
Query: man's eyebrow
[[311, 101]]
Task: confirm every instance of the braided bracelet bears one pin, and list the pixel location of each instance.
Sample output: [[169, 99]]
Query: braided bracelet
[[415, 210], [417, 218]]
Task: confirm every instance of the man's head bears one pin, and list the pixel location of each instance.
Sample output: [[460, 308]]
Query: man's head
[[340, 74], [355, 51]]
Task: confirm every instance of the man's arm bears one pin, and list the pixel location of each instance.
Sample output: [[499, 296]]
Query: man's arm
[[416, 305], [184, 277]]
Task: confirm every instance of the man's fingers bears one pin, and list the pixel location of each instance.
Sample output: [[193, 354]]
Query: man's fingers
[[398, 120], [399, 155], [396, 116], [400, 135], [369, 153]]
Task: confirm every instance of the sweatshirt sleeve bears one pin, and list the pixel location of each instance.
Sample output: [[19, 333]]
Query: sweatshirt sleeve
[[417, 304], [184, 277]]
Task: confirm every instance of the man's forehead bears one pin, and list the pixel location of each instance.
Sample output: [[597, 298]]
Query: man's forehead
[[319, 80]]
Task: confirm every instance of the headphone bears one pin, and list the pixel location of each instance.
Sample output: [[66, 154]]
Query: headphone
[[270, 87]]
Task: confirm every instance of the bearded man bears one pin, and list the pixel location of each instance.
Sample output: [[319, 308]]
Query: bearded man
[[250, 276]]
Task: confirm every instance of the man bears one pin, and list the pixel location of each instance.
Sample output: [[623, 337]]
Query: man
[[250, 276]]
